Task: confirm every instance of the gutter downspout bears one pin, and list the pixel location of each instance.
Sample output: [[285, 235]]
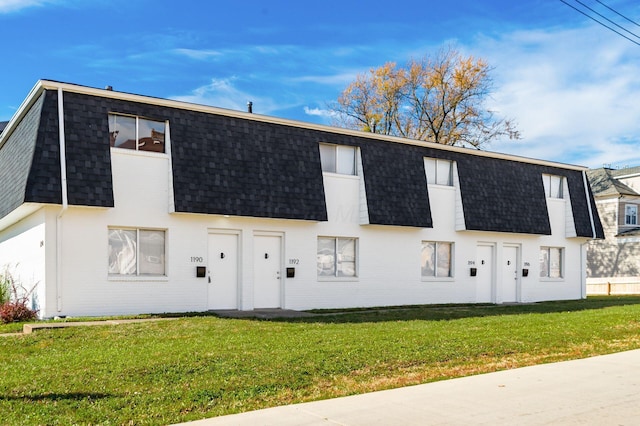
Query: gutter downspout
[[583, 247], [65, 201], [586, 194]]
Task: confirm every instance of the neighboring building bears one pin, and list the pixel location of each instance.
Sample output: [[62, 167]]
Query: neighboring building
[[113, 203], [613, 264], [3, 124]]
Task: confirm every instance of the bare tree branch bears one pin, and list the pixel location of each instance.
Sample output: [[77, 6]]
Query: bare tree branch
[[439, 99]]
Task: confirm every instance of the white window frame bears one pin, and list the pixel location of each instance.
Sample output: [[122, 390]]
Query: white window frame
[[435, 276], [631, 214], [553, 186], [433, 171], [339, 151], [545, 255], [137, 133], [337, 264], [138, 273]]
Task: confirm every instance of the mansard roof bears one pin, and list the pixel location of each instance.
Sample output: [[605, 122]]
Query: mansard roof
[[237, 163]]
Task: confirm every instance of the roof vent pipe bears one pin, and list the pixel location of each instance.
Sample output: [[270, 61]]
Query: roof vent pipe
[[250, 107], [109, 88]]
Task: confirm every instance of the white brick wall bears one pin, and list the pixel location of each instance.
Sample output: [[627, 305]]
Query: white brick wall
[[22, 253], [388, 256]]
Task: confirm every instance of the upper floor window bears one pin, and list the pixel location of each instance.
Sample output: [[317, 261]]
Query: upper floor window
[[551, 262], [630, 214], [439, 172], [436, 259], [137, 133], [553, 186], [136, 252], [338, 159]]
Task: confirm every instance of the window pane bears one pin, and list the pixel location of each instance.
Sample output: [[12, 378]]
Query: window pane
[[326, 257], [151, 252], [428, 259], [631, 215], [556, 186], [328, 158], [122, 252], [555, 263], [546, 182], [443, 173], [430, 169], [544, 263], [444, 260], [122, 131], [151, 135], [346, 160], [346, 257]]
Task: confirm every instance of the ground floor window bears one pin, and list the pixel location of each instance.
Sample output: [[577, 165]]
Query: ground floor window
[[136, 251], [551, 260], [436, 260], [336, 257]]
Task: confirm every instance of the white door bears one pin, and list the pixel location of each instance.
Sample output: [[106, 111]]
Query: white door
[[484, 277], [222, 271], [266, 269], [510, 274]]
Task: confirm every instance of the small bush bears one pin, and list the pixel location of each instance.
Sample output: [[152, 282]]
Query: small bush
[[16, 312], [5, 290], [13, 299]]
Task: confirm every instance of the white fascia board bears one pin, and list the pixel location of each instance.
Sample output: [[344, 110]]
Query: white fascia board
[[54, 85], [630, 175], [18, 214]]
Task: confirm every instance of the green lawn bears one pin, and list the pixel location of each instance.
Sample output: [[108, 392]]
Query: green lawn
[[202, 366]]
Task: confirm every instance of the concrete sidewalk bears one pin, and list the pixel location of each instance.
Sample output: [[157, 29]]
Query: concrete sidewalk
[[603, 390]]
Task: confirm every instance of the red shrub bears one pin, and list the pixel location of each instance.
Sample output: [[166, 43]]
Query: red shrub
[[16, 312]]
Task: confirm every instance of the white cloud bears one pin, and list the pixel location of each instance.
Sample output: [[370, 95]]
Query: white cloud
[[319, 112], [7, 6], [223, 93], [339, 80], [197, 54], [573, 93]]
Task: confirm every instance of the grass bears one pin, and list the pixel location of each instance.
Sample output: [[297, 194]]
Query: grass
[[203, 366]]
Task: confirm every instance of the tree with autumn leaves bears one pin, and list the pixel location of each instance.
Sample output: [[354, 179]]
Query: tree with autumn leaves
[[439, 99]]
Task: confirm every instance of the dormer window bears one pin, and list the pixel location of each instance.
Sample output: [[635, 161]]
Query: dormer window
[[630, 214], [553, 186], [136, 133], [339, 159], [439, 172]]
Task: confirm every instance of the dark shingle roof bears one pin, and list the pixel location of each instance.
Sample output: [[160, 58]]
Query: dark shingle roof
[[3, 124], [244, 167]]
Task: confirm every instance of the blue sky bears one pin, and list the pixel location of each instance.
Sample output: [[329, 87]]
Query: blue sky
[[572, 86]]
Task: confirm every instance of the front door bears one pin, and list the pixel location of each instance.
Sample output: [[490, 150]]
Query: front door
[[509, 274], [222, 272], [266, 269], [484, 277]]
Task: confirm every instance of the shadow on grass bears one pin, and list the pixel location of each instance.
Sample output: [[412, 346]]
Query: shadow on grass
[[448, 312], [72, 396]]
